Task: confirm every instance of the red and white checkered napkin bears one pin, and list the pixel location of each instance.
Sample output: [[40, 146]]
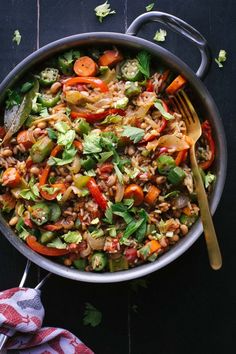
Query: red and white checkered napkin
[[21, 317]]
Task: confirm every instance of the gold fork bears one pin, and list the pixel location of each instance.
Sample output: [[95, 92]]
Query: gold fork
[[185, 107]]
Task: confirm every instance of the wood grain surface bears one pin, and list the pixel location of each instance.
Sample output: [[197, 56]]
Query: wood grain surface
[[186, 307]]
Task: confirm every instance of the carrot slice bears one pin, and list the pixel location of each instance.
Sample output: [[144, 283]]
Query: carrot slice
[[110, 58], [152, 195], [176, 85], [85, 66], [181, 157]]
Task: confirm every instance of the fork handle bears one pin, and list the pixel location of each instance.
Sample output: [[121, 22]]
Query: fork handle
[[214, 253]]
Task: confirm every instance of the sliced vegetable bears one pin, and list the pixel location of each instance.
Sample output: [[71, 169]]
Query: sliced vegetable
[[11, 177], [26, 138], [93, 81], [117, 264], [176, 85], [149, 248], [46, 251], [26, 87], [207, 133], [130, 70], [96, 194], [40, 213], [81, 181], [152, 195], [85, 66], [49, 100], [98, 261], [110, 58], [135, 192], [48, 76], [95, 117], [41, 149], [82, 126], [188, 220], [176, 175], [165, 163], [181, 157], [132, 89]]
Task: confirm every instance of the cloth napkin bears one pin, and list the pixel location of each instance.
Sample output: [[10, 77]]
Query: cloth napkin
[[21, 317]]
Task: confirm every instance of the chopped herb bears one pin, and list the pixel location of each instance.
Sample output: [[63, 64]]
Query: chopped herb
[[91, 144], [209, 178], [52, 134], [90, 173], [171, 194], [16, 37], [50, 190], [144, 63], [119, 174], [13, 99], [31, 193], [132, 173], [92, 316], [160, 35], [66, 139], [105, 156], [221, 58], [97, 233], [103, 11], [109, 214], [135, 134], [150, 7], [57, 243], [159, 105], [44, 112], [62, 127], [72, 237], [67, 157]]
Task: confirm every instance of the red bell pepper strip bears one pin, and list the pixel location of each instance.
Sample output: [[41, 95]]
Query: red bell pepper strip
[[181, 157], [207, 133], [93, 81], [78, 145], [54, 227], [149, 86], [44, 176], [96, 194], [94, 117], [46, 251]]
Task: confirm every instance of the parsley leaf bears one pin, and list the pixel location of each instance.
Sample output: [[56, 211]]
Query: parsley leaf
[[67, 138], [16, 37], [160, 35], [92, 316], [31, 193], [150, 7], [57, 243], [67, 157], [62, 127], [103, 10], [221, 58], [105, 156], [50, 190], [144, 63], [159, 105], [44, 112], [112, 118], [135, 134]]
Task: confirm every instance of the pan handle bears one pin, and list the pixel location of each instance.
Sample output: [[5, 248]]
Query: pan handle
[[180, 27]]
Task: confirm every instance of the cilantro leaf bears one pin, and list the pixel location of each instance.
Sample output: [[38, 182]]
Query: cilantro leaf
[[209, 178], [159, 105], [144, 63], [44, 112], [62, 127], [160, 35], [57, 243], [67, 138], [49, 190], [91, 144], [105, 156], [221, 58], [16, 37], [67, 157], [31, 193], [92, 316], [52, 134], [135, 134], [72, 237], [103, 11], [150, 7]]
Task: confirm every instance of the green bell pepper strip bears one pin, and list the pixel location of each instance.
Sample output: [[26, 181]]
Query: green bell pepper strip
[[47, 236], [41, 149], [176, 175], [165, 163], [49, 101], [48, 76], [98, 261], [40, 213], [130, 70]]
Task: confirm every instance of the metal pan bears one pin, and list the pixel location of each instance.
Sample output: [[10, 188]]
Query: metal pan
[[202, 100]]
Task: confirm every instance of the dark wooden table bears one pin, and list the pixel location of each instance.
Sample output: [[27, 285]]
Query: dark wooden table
[[186, 307]]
